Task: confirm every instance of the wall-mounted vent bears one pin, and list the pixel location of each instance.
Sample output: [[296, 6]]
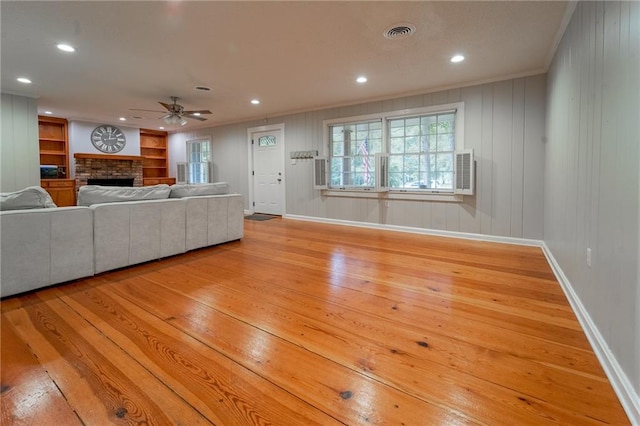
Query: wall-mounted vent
[[398, 31], [320, 173], [464, 172], [181, 172], [382, 172]]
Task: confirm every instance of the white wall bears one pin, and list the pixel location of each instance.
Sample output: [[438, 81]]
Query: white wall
[[592, 178], [504, 123], [228, 152], [19, 146], [80, 141]]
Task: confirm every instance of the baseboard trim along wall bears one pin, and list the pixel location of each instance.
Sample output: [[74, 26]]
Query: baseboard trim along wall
[[629, 399], [424, 231], [622, 386]]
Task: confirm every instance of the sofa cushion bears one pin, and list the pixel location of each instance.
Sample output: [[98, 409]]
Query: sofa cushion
[[96, 194], [199, 189], [33, 197]]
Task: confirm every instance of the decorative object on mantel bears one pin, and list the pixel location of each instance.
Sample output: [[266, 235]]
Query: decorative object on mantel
[[108, 138]]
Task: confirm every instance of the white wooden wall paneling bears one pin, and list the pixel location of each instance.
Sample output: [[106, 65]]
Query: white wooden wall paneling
[[19, 147], [534, 158], [501, 176], [486, 161], [517, 158], [592, 179]]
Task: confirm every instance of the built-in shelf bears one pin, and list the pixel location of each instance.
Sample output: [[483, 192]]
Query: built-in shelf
[[54, 151], [43, 152], [53, 143], [153, 148]]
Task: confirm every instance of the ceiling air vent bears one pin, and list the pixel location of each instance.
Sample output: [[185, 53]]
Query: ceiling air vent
[[397, 31]]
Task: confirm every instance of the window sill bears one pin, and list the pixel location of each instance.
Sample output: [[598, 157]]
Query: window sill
[[445, 197]]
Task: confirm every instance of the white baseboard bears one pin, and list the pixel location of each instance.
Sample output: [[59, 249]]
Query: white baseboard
[[621, 384], [423, 231]]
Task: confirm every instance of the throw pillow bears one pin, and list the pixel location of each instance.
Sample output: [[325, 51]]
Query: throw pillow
[[97, 194], [199, 189], [32, 197]]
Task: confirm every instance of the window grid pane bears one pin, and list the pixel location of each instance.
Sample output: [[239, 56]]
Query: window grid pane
[[421, 151], [353, 149], [198, 154]]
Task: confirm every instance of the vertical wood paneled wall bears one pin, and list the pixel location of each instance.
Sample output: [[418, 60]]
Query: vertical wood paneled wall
[[592, 163], [19, 147], [504, 124]]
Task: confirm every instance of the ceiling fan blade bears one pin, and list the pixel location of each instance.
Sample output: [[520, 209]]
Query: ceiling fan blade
[[195, 117], [202, 111], [148, 110], [167, 106]]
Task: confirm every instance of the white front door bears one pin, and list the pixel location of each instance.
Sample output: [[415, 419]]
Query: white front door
[[268, 171]]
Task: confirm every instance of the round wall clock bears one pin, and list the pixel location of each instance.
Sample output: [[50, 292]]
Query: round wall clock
[[107, 138]]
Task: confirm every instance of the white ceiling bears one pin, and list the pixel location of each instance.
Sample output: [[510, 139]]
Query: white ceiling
[[293, 56]]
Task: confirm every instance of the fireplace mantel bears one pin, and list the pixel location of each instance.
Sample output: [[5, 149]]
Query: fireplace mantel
[[107, 157]]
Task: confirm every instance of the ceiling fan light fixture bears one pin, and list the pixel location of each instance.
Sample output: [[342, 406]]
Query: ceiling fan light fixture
[[174, 119]]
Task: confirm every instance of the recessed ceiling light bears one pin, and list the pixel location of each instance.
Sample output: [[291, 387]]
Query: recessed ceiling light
[[457, 58], [255, 101], [24, 80], [123, 119], [361, 79], [197, 114], [48, 112], [161, 128], [66, 47]]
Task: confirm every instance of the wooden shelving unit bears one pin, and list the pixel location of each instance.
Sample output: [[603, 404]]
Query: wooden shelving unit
[[155, 163], [54, 151], [54, 143]]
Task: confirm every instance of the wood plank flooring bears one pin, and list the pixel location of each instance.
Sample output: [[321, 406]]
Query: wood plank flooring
[[301, 324]]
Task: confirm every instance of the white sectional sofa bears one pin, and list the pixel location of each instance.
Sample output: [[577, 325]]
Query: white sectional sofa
[[45, 246], [138, 231], [40, 247]]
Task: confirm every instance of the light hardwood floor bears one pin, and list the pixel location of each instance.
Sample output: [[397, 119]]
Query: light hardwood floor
[[300, 324]]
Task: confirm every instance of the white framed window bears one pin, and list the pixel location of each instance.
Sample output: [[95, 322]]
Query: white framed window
[[353, 149], [421, 151], [419, 145], [199, 161]]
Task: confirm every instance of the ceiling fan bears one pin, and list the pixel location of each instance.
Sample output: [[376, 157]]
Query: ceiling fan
[[175, 113]]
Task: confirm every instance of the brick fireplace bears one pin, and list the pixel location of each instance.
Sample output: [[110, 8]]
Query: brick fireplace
[[106, 166]]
